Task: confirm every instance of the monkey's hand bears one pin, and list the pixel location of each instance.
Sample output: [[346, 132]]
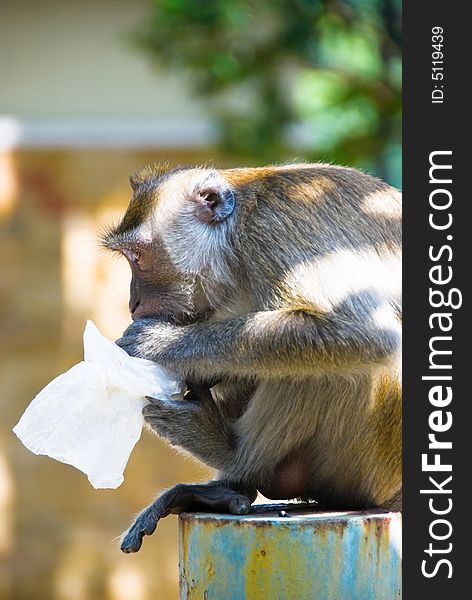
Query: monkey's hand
[[174, 420], [195, 425], [145, 337]]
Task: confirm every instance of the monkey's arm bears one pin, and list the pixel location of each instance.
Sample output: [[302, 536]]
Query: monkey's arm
[[276, 343]]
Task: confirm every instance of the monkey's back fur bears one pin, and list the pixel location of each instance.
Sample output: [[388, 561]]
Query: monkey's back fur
[[332, 245]]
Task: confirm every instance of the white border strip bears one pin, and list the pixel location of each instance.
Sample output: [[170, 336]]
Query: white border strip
[[104, 133]]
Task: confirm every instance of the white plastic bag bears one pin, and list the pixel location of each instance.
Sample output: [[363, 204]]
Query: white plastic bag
[[90, 417]]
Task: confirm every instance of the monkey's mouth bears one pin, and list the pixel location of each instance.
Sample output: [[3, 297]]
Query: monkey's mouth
[[181, 318], [187, 318], [175, 317]]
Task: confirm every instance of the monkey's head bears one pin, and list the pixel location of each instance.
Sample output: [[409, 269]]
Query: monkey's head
[[175, 235]]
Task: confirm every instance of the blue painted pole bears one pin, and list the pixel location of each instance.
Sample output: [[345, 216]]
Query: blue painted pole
[[290, 553]]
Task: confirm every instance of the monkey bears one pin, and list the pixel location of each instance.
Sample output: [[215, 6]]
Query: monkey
[[275, 292]]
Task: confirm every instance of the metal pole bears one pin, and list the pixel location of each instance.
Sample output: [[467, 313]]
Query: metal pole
[[290, 553]]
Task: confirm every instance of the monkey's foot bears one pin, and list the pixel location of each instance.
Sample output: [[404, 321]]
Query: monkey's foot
[[217, 495]]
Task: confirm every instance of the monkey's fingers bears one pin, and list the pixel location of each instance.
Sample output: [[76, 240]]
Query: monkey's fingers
[[133, 348], [216, 495], [163, 409], [166, 417], [126, 342], [145, 524], [158, 402], [239, 505], [133, 335]]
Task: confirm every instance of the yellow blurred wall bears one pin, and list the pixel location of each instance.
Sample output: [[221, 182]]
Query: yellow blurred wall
[[80, 110], [57, 534]]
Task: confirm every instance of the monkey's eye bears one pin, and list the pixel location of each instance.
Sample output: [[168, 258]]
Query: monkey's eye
[[132, 256]]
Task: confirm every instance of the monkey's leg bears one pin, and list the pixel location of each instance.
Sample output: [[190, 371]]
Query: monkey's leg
[[218, 495]]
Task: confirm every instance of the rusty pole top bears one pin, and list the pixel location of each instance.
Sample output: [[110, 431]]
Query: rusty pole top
[[290, 552]]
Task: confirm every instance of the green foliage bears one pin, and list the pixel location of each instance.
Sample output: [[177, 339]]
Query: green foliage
[[313, 79]]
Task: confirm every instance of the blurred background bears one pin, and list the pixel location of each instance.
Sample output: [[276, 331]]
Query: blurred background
[[90, 91]]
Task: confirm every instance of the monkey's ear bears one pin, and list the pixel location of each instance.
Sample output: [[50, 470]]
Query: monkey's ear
[[134, 182], [213, 204], [146, 175]]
